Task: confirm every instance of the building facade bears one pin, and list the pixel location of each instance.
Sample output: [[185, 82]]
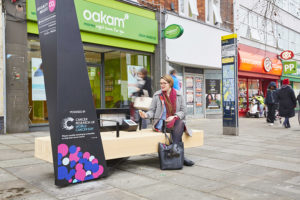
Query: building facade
[[196, 55], [118, 39], [265, 29]]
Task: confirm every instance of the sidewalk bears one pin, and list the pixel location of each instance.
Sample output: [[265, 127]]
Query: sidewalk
[[263, 162]]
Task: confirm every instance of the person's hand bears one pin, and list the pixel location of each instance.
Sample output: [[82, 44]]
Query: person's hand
[[170, 118], [142, 114]]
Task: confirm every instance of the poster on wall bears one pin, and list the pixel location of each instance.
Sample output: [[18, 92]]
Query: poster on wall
[[132, 77], [37, 77], [77, 149], [213, 94]]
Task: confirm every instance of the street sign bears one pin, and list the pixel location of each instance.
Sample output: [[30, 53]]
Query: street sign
[[229, 85], [289, 67], [287, 55], [75, 137], [173, 31]]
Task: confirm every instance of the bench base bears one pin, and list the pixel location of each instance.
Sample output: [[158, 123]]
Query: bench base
[[128, 144]]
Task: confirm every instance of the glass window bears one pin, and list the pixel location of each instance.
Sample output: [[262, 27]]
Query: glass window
[[253, 20], [242, 86], [212, 12], [193, 10], [37, 108], [253, 87], [243, 30], [243, 15], [271, 40], [120, 77]]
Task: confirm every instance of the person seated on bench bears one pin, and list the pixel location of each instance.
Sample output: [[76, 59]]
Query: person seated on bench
[[168, 105]]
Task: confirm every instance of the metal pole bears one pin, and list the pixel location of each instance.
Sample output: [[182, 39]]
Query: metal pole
[[4, 71]]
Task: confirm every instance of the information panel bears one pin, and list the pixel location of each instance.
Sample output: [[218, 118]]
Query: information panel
[[75, 137], [229, 85]]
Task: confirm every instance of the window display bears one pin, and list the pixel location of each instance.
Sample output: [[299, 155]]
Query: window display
[[242, 85]]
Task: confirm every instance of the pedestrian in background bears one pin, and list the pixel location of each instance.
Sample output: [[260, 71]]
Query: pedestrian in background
[[272, 102], [176, 85], [287, 102], [143, 90]]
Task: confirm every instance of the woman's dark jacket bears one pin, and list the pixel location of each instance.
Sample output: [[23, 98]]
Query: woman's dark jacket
[[287, 101], [271, 97]]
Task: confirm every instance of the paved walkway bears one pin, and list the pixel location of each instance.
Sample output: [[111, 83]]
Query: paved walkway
[[262, 163]]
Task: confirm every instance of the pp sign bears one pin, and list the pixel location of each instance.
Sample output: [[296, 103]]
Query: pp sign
[[290, 67]]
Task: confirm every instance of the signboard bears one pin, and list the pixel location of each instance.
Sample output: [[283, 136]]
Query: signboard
[[100, 19], [289, 67], [229, 84], [212, 93], [75, 137], [173, 31], [287, 55]]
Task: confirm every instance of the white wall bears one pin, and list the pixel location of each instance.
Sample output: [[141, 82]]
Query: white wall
[[199, 46]]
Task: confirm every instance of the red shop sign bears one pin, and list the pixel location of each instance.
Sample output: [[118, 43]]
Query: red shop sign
[[286, 55]]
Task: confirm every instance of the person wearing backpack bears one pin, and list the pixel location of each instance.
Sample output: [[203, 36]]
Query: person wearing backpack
[[271, 102]]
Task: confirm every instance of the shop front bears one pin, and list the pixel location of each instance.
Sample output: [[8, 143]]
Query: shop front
[[257, 68], [293, 75], [118, 40], [196, 56]]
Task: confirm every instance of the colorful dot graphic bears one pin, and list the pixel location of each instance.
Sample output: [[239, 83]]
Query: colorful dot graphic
[[76, 166]]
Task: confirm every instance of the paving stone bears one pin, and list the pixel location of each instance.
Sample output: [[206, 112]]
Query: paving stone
[[20, 162], [2, 146], [13, 140], [42, 177], [16, 189], [11, 154], [126, 180], [23, 147], [281, 147], [242, 193], [114, 194], [282, 189], [6, 177], [230, 157], [276, 164], [169, 191], [35, 196], [218, 164], [294, 180]]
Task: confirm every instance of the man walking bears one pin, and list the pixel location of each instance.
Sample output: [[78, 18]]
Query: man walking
[[287, 102], [271, 102]]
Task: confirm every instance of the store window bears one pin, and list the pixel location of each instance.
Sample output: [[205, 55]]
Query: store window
[[253, 87], [119, 78], [188, 8], [242, 85]]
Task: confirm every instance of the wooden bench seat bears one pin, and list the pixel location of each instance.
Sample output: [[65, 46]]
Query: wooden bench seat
[[128, 144]]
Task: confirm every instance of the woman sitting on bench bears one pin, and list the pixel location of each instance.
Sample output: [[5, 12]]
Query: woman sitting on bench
[[168, 105]]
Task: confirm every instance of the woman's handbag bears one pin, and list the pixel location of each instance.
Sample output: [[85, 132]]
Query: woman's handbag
[[142, 103], [167, 160]]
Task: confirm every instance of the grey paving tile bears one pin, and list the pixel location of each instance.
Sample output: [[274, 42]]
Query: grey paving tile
[[276, 164], [20, 162], [281, 147], [114, 194], [34, 196], [242, 193], [6, 177], [11, 154], [295, 180], [230, 157], [16, 189], [168, 191], [13, 140], [23, 147], [41, 176], [126, 180], [282, 189], [218, 164], [2, 146]]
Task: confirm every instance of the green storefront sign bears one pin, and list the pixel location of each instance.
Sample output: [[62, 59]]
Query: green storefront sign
[[173, 31], [289, 67], [100, 19]]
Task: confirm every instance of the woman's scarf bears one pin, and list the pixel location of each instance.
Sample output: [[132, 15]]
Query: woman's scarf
[[170, 103]]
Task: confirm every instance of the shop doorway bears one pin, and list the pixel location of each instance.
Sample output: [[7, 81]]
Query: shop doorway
[[194, 95]]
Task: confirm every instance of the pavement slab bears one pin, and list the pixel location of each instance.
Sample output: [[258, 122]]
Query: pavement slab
[[263, 162]]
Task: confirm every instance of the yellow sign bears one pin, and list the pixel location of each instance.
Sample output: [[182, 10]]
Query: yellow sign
[[231, 36], [227, 60]]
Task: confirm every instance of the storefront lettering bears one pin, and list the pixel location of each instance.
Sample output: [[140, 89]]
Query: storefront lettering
[[102, 18]]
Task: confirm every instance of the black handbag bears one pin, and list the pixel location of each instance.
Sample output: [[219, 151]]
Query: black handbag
[[166, 159]]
